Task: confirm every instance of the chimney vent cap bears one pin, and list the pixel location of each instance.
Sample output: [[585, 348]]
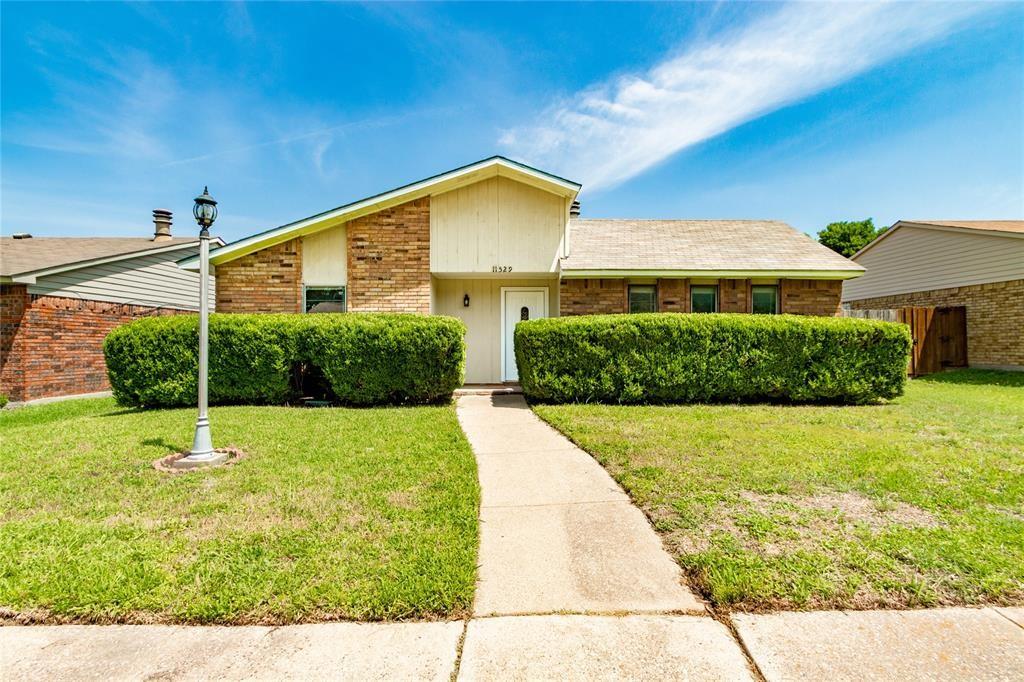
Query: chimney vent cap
[[574, 210], [161, 224]]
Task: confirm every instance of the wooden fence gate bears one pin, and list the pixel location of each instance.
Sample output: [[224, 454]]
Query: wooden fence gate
[[940, 335], [940, 338]]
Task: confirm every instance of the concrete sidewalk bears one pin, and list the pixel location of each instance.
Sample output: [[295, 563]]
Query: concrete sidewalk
[[947, 644], [557, 534]]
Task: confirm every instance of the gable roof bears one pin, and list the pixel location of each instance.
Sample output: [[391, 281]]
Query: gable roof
[[442, 182], [25, 259], [739, 248], [995, 228]]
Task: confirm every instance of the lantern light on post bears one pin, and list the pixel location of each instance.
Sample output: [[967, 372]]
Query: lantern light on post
[[202, 453]]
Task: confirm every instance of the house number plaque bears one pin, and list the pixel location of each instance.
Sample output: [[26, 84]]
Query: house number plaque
[[501, 268]]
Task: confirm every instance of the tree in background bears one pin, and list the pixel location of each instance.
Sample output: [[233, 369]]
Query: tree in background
[[849, 237]]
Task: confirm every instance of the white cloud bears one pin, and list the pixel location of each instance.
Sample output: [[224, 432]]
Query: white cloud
[[616, 130]]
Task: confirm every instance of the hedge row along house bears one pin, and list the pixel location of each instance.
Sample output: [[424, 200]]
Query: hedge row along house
[[496, 242], [977, 264], [60, 296]]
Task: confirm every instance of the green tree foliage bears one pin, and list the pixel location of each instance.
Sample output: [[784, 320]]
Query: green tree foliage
[[673, 357], [850, 236]]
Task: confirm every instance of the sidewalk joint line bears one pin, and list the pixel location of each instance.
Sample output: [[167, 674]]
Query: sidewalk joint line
[[1003, 615], [725, 618], [458, 649]]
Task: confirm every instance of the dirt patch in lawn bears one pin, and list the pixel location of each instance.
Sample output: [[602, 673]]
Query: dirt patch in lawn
[[774, 524]]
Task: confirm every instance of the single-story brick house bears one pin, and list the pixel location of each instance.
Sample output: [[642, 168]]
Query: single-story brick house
[[978, 264], [60, 296], [496, 241]]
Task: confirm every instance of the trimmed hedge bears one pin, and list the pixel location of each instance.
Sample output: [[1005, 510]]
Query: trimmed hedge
[[673, 357], [367, 358]]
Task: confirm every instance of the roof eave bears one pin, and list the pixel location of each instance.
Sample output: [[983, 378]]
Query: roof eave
[[446, 181]]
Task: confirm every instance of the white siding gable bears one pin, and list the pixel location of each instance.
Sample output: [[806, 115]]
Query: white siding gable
[[497, 223]]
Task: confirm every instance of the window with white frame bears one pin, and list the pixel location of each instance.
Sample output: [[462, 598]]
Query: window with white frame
[[324, 299]]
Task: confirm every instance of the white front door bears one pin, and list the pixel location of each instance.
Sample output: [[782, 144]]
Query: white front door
[[518, 304]]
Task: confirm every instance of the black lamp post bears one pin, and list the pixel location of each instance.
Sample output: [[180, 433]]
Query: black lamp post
[[202, 453]]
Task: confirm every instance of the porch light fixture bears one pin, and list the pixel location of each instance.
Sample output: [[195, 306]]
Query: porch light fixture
[[202, 453], [465, 300]]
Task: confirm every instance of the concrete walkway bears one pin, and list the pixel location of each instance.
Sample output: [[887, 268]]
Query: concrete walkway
[[557, 534]]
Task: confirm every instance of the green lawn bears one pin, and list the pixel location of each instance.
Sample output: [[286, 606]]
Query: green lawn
[[912, 503], [335, 514]]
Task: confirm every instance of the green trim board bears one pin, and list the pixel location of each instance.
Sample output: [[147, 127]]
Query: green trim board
[[712, 274]]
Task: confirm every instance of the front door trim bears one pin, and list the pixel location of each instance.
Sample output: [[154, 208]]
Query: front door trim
[[543, 290]]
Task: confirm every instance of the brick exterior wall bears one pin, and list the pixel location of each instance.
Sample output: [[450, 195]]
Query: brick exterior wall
[[995, 318], [811, 296], [799, 297], [52, 346], [592, 296], [734, 296], [389, 260], [265, 281], [674, 295]]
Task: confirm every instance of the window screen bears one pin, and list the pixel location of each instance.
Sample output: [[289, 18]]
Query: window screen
[[325, 299], [704, 299], [643, 298], [764, 299]]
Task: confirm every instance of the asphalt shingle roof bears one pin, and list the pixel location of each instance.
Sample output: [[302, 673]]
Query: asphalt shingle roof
[[696, 245], [18, 256]]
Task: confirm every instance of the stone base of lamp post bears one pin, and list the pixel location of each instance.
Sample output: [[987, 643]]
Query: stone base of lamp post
[[199, 461]]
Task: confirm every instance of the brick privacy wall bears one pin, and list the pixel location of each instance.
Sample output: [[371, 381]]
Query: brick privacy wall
[[265, 281], [53, 346], [389, 260], [995, 317], [592, 296], [811, 296]]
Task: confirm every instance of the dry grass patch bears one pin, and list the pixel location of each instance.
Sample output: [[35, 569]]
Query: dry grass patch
[[918, 502]]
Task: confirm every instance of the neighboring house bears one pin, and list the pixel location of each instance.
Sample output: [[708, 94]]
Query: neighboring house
[[59, 297], [496, 242], [978, 264]]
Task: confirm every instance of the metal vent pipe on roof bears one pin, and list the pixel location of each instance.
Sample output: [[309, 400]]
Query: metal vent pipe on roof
[[161, 224]]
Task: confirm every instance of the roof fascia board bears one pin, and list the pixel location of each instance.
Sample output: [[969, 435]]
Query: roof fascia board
[[30, 276], [965, 230], [433, 185], [720, 274]]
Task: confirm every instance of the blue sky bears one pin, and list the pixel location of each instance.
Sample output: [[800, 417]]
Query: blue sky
[[806, 113]]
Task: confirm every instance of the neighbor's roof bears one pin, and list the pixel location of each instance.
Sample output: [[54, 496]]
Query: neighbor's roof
[[442, 182], [35, 255], [723, 247], [995, 228]]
